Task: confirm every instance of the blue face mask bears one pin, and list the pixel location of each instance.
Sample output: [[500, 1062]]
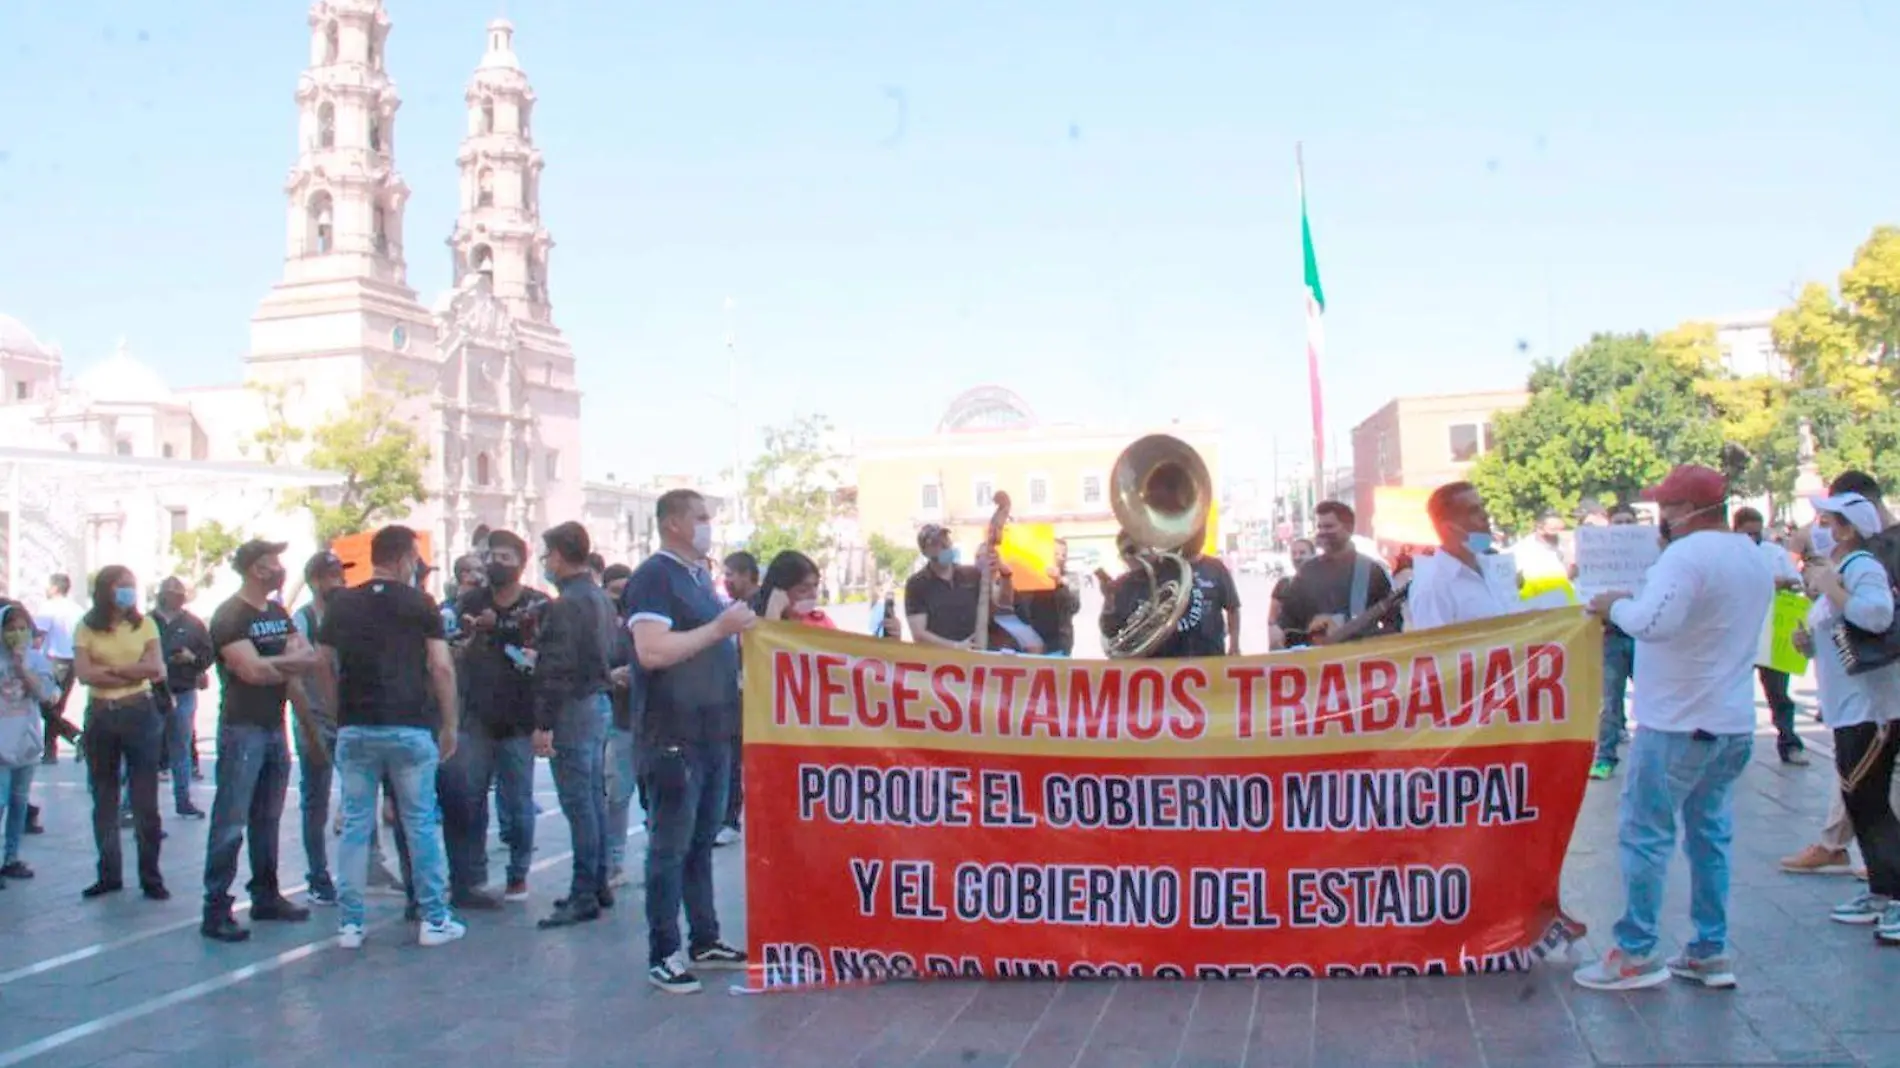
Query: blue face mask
[[1478, 542], [125, 597], [949, 557], [548, 575]]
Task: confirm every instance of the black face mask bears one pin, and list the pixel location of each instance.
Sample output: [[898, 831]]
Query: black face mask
[[503, 574]]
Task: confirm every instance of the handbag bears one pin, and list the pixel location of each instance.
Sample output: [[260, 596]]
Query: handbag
[[22, 740], [1863, 650]]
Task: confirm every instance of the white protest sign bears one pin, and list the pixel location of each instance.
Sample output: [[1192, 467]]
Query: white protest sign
[[1615, 558]]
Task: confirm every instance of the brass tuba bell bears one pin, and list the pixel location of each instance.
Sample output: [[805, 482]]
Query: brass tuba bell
[[1162, 495]]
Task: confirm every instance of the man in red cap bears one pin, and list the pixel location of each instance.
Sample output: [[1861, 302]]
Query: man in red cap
[[1696, 625]]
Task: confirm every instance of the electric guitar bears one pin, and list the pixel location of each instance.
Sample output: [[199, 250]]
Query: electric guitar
[[1336, 629]]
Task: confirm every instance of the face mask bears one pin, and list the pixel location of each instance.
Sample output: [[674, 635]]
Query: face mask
[[17, 639], [1478, 542], [1821, 538], [702, 538], [548, 576], [503, 574], [1755, 537], [125, 597], [948, 557], [805, 607], [1667, 529]]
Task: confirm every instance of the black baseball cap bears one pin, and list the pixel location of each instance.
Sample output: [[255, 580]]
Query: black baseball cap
[[324, 563], [249, 553]]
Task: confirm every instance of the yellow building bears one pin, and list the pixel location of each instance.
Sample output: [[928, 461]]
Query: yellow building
[[990, 440]]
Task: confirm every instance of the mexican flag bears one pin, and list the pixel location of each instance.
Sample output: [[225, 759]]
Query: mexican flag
[[1315, 330]]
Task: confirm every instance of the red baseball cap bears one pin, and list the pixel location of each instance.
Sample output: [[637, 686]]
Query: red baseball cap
[[1690, 484]]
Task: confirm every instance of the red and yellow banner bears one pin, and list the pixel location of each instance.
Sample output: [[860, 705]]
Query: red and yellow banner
[[1399, 806]]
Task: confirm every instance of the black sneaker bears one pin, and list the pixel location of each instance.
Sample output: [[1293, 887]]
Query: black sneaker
[[16, 870], [566, 916], [606, 897], [412, 913], [155, 892], [670, 977], [189, 811], [223, 928], [322, 893], [279, 910], [718, 956], [102, 888], [33, 825], [475, 901]]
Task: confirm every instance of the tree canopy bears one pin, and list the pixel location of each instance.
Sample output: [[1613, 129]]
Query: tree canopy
[[201, 550], [788, 490], [1622, 409], [380, 456]]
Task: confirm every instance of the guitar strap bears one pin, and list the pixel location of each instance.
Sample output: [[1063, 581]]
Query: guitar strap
[[1361, 586]]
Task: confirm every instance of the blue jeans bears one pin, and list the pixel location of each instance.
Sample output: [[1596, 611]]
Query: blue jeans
[[316, 771], [623, 782], [1694, 775], [253, 773], [686, 792], [1619, 662], [580, 780], [407, 758], [14, 784], [482, 762], [180, 723]]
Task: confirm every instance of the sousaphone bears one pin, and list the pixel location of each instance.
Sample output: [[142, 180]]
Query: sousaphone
[[1162, 495]]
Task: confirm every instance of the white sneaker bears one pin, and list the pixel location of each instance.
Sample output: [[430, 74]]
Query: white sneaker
[[349, 936], [726, 836], [442, 932]]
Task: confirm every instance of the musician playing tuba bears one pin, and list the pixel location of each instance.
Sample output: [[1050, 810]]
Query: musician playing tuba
[[1173, 600]]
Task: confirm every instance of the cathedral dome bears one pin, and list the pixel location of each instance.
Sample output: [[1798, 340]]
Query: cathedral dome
[[123, 380], [987, 408], [17, 339]]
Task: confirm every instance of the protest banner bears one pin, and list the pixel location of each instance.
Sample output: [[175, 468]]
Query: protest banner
[[1614, 558], [1776, 650], [1391, 807]]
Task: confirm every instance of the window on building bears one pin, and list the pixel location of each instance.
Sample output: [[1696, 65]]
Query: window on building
[[482, 261], [485, 188], [536, 290], [375, 51], [928, 497], [1091, 489], [1464, 442], [1038, 490], [527, 110], [554, 465], [321, 236], [326, 125], [481, 469], [527, 192], [375, 133], [985, 492], [167, 451], [379, 221], [22, 390], [123, 447], [330, 42], [488, 116], [181, 520], [1490, 439]]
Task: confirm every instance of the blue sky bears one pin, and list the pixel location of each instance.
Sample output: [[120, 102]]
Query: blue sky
[[1090, 201]]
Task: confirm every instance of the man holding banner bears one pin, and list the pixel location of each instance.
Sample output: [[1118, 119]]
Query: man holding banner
[[1697, 623]]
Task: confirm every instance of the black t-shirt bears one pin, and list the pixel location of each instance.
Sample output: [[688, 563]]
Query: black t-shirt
[[381, 632], [947, 605], [1323, 587], [498, 693], [1203, 627], [269, 629]]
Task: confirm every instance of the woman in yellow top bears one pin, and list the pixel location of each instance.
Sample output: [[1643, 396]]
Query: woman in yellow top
[[116, 656]]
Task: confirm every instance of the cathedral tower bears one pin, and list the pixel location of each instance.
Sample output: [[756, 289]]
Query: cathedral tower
[[498, 232], [343, 315]]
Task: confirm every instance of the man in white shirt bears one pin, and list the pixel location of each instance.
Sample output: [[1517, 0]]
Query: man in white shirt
[[1774, 684], [59, 617], [1697, 626], [1453, 585]]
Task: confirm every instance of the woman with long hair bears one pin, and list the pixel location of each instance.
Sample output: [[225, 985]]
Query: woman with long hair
[[789, 591], [27, 685], [116, 655]]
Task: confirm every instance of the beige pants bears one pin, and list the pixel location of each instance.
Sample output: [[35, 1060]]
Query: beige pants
[[1838, 832]]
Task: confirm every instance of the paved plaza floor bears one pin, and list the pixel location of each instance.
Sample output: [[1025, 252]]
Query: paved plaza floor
[[130, 984]]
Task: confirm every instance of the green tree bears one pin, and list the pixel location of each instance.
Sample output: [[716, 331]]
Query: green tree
[[1849, 346], [788, 491], [201, 550], [380, 456], [894, 560], [1607, 421]]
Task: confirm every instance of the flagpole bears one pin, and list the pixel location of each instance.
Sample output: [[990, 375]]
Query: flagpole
[[1315, 306]]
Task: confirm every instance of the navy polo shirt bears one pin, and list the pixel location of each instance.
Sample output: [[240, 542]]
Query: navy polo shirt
[[696, 700]]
